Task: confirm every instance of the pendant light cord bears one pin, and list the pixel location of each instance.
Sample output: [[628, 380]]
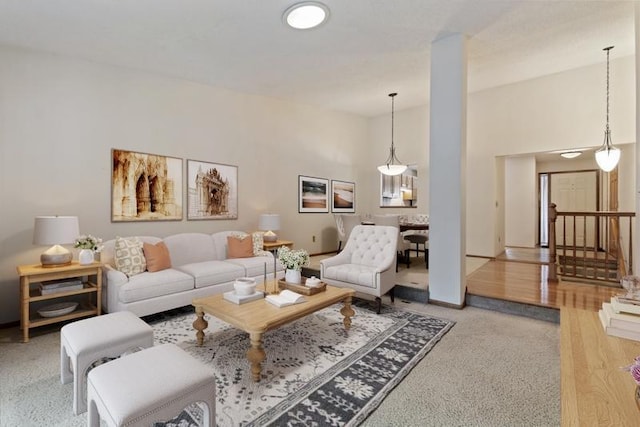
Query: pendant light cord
[[608, 49]]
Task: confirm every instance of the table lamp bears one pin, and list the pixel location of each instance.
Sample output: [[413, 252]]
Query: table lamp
[[56, 231], [269, 223]]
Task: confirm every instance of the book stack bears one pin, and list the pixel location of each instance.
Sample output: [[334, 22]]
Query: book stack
[[621, 317], [64, 285]]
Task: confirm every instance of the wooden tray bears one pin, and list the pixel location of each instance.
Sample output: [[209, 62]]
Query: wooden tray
[[301, 289]]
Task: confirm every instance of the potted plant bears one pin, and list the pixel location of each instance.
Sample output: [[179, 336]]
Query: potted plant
[[293, 260], [87, 244]]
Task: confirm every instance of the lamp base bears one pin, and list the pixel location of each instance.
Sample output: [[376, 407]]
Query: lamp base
[[57, 260], [56, 256], [269, 236]]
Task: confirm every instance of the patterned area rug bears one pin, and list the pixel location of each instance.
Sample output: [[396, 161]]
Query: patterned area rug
[[315, 372]]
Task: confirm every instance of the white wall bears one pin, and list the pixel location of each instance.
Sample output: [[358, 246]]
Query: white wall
[[411, 139], [560, 111], [520, 201], [61, 117]]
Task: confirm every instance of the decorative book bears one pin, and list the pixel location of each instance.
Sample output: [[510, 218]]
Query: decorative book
[[285, 298], [231, 296], [624, 307]]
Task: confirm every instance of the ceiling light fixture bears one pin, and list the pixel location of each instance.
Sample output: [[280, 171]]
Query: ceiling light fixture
[[392, 166], [571, 154], [607, 156], [306, 15]]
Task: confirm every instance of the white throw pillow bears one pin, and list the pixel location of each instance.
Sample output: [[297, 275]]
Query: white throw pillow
[[258, 244], [129, 256]]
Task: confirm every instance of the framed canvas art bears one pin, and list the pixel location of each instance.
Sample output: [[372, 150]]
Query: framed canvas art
[[145, 187], [212, 190], [343, 196], [313, 194]]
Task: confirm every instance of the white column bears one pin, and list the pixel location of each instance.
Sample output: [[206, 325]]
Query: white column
[[447, 180]]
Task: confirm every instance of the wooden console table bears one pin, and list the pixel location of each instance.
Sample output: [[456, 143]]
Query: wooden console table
[[595, 391], [33, 274], [273, 246]]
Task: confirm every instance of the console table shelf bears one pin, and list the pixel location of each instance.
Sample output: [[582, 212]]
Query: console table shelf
[[33, 274]]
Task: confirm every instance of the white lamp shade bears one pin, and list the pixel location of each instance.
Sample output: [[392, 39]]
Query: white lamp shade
[[607, 158], [269, 222], [392, 169], [55, 230]]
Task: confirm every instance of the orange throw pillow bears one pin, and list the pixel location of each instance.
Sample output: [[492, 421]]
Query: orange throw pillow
[[239, 248], [157, 256]]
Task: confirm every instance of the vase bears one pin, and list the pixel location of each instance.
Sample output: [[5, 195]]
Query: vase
[[85, 256], [293, 276]]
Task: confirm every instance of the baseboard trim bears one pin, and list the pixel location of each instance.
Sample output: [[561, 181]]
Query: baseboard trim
[[447, 304]]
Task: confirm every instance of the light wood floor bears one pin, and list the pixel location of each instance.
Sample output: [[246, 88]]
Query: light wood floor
[[517, 276]]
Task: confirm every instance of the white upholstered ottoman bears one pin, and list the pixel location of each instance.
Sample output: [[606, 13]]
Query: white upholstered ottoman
[[152, 385], [89, 340]]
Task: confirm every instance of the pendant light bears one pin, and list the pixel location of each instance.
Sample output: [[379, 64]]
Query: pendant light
[[392, 166], [607, 156]]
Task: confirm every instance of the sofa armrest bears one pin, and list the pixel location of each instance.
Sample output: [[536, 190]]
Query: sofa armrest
[[112, 280], [341, 258]]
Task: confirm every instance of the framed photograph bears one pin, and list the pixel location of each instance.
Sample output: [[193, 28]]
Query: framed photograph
[[313, 194], [343, 196], [212, 191], [145, 187]]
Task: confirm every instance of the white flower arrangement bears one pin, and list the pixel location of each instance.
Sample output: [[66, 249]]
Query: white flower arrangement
[[88, 242], [293, 259]]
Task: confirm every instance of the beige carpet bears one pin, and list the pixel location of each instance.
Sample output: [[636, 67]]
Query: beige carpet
[[416, 276]]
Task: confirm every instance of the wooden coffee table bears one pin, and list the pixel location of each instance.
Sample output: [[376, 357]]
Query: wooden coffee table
[[258, 317]]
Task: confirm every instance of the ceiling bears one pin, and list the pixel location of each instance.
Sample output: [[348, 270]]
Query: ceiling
[[367, 49]]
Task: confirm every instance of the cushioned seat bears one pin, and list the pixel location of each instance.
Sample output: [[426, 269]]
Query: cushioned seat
[[149, 387], [84, 342], [367, 262], [149, 285], [212, 272]]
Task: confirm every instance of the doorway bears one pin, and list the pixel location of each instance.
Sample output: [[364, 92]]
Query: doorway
[[572, 191]]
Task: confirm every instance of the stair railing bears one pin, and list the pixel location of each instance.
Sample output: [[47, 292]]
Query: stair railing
[[591, 245]]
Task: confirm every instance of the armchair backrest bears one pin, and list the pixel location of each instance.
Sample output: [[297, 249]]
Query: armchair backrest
[[372, 245]]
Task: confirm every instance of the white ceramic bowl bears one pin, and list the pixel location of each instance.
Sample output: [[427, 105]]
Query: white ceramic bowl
[[245, 286], [313, 282]]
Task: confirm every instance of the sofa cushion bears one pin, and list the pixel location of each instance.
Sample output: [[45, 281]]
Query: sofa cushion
[[212, 272], [129, 257], [255, 266], [149, 285], [239, 247], [186, 248], [157, 256]]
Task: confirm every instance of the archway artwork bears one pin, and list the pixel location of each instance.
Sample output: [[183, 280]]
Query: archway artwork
[[145, 187]]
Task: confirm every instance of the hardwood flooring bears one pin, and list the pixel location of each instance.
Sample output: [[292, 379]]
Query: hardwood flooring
[[519, 276]]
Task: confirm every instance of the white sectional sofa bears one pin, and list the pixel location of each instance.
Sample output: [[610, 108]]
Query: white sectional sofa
[[199, 267]]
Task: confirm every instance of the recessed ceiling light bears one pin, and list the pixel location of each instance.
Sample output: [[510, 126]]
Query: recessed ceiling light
[[306, 15], [570, 154]]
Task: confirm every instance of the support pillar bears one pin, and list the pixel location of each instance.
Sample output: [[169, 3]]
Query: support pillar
[[447, 171]]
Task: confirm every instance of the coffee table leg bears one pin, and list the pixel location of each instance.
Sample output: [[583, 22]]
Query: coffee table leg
[[256, 354], [200, 325], [347, 312]]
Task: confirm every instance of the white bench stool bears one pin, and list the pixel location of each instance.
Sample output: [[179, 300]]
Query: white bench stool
[[87, 341], [152, 385]]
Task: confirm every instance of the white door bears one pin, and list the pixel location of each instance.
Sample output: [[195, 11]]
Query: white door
[[575, 192]]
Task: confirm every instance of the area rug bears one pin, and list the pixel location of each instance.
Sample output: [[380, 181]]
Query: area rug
[[315, 372]]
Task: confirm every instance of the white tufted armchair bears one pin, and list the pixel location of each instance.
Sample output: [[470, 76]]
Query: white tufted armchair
[[367, 262]]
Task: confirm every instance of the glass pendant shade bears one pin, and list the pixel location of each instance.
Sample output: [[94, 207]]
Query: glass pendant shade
[[607, 156], [392, 165]]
